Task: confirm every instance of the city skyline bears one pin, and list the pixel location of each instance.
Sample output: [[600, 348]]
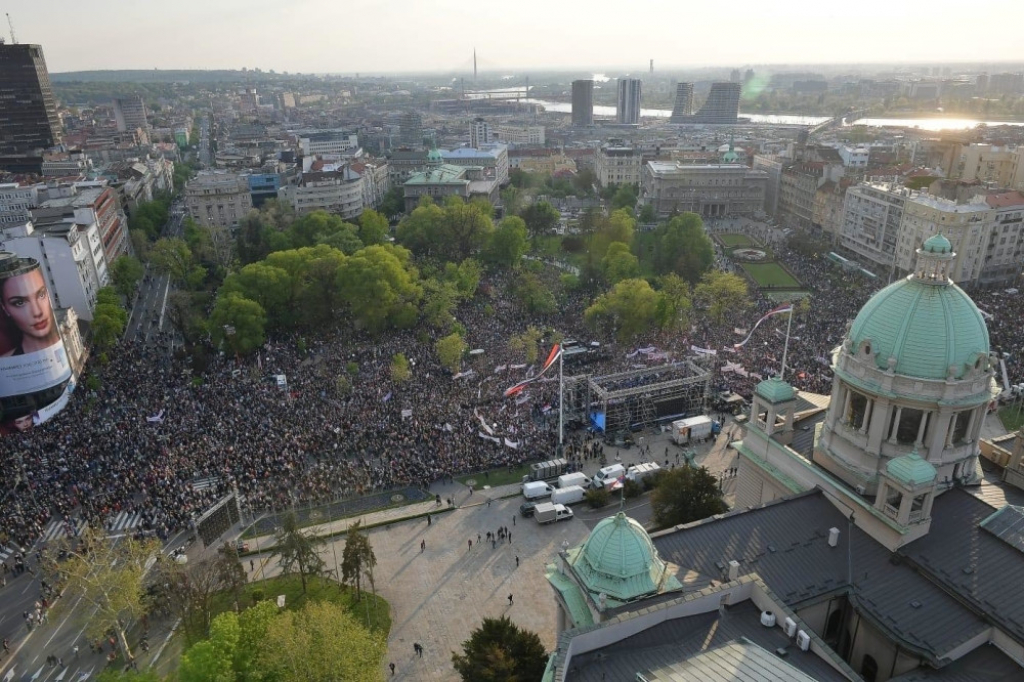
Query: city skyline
[[235, 34]]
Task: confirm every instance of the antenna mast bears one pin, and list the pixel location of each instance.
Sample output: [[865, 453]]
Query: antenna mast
[[10, 22]]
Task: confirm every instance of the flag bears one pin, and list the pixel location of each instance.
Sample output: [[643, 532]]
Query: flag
[[784, 308], [556, 352], [386, 398]]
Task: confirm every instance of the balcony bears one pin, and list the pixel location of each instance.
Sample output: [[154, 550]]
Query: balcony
[[891, 511]]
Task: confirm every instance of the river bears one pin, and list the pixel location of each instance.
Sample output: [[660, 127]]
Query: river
[[932, 124]]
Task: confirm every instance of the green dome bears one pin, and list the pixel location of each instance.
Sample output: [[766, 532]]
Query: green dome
[[775, 390], [619, 559], [938, 244], [911, 470], [927, 328], [434, 156]]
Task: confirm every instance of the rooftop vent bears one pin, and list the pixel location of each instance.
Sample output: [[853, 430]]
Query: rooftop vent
[[768, 619], [789, 627], [734, 569], [803, 640], [833, 537]]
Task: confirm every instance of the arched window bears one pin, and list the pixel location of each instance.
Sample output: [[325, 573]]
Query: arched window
[[869, 669], [835, 621]]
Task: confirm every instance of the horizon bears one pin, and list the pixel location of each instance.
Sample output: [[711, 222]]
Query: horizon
[[439, 37]]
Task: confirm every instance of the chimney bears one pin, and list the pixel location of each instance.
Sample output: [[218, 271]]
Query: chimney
[[833, 537], [734, 569]]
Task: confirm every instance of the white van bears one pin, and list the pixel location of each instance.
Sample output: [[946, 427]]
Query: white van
[[535, 490], [606, 476]]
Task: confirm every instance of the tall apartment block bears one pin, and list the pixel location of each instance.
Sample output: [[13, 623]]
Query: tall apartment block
[[583, 103], [410, 129], [721, 106], [28, 111], [684, 102], [130, 113], [628, 110]]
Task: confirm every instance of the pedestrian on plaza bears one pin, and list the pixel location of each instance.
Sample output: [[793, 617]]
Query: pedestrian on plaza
[[471, 544], [423, 545], [517, 562], [513, 519], [510, 599], [429, 521], [252, 565], [392, 666], [418, 649]]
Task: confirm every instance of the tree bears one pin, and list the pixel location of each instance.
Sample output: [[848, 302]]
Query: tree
[[584, 181], [373, 228], [541, 218], [125, 273], [508, 243], [320, 642], [526, 343], [400, 370], [647, 214], [450, 350], [109, 319], [140, 243], [188, 590], [321, 227], [618, 227], [393, 203], [720, 293], [683, 247], [108, 575], [533, 295], [439, 298], [452, 232], [685, 494], [500, 651], [114, 675], [239, 322], [270, 286], [675, 305], [297, 551], [381, 287], [357, 559], [511, 200], [465, 276], [630, 308], [625, 197], [619, 263], [172, 257], [212, 659]]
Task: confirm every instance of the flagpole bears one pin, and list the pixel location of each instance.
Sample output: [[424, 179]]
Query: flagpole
[[785, 349], [561, 403]]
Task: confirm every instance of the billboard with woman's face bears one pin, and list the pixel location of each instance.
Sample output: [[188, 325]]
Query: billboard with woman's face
[[34, 366]]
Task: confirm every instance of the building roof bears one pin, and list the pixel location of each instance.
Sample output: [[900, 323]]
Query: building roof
[[1005, 199], [709, 646], [444, 174], [786, 544], [911, 470], [927, 328], [618, 559], [937, 244], [775, 390], [984, 664]]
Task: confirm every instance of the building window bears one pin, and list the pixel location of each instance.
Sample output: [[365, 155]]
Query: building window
[[910, 424]]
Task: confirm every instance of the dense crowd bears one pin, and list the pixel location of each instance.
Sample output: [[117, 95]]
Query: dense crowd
[[344, 427]]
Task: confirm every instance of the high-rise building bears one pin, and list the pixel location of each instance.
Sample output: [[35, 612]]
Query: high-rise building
[[628, 110], [583, 103], [736, 76], [479, 133], [130, 113], [28, 111], [721, 107], [410, 128], [684, 102]]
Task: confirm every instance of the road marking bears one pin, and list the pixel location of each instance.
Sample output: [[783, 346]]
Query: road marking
[[163, 307], [38, 673], [167, 639], [60, 677]]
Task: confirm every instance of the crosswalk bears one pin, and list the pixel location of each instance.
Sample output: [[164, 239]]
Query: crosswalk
[[200, 484], [6, 552], [62, 528], [122, 522]]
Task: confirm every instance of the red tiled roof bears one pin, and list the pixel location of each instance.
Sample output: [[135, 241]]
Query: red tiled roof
[[1005, 199]]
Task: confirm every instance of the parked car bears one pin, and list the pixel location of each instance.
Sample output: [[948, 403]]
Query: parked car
[[527, 508]]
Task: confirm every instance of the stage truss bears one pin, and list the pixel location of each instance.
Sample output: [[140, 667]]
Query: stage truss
[[639, 398]]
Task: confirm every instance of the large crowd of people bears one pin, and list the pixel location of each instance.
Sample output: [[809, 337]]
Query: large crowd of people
[[344, 426]]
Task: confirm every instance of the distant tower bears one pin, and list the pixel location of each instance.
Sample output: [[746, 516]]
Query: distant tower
[[628, 110], [583, 103], [474, 65], [28, 109], [683, 106], [735, 76], [652, 66]]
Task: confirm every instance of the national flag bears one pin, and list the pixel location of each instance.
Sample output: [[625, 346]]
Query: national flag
[[556, 352], [784, 308]]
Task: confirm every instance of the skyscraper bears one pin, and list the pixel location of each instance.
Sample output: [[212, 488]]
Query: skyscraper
[[130, 113], [684, 102], [628, 110], [583, 103], [28, 112], [410, 129]]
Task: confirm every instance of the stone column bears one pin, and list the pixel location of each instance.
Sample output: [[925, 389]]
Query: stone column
[[896, 425], [869, 408], [876, 434], [920, 429]]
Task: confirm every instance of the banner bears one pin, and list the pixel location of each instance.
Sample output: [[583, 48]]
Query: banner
[[464, 375], [638, 351], [158, 418], [406, 414], [556, 352], [703, 351], [784, 308], [525, 398], [511, 444], [490, 438]]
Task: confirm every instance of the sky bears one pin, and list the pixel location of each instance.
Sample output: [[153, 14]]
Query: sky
[[394, 36]]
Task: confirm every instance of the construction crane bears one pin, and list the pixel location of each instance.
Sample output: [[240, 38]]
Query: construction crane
[[10, 22]]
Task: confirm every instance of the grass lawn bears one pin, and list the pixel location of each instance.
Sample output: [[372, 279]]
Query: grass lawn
[[372, 611], [770, 274], [496, 477], [733, 240], [1012, 417]]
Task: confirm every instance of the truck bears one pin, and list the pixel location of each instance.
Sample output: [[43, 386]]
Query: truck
[[575, 478], [643, 471], [534, 490], [542, 471], [606, 476], [546, 512], [568, 495], [692, 429]]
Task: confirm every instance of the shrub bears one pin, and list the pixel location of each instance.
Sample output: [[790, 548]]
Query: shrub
[[598, 497], [631, 489]]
